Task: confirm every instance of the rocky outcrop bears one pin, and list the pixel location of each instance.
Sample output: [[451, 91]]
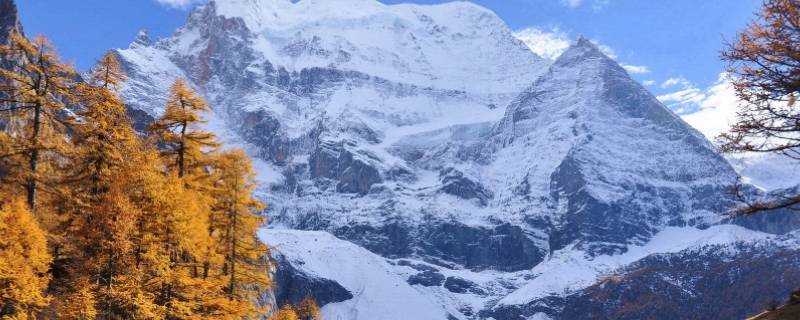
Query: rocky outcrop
[[426, 279], [503, 247], [351, 169], [9, 19], [455, 183], [292, 285], [672, 286], [460, 285]]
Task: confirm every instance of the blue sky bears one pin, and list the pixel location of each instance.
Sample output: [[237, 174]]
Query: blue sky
[[672, 46], [672, 38]]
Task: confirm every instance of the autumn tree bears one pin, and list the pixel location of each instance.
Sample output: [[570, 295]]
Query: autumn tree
[[36, 85], [193, 282], [24, 262], [765, 64], [102, 168], [235, 223], [286, 312], [184, 144], [308, 309]]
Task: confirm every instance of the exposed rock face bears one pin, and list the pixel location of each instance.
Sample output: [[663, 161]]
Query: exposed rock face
[[459, 285], [352, 170], [293, 285], [9, 19], [427, 279], [399, 148], [454, 182], [694, 281]]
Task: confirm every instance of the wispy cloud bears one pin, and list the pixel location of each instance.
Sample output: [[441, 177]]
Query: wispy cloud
[[178, 4], [711, 111], [606, 49], [548, 44], [632, 69], [676, 81], [649, 82], [597, 5]]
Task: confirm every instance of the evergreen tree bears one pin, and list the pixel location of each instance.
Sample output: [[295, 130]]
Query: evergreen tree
[[24, 262]]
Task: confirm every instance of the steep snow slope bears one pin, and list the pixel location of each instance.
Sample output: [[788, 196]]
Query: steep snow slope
[[400, 43], [378, 292], [388, 288]]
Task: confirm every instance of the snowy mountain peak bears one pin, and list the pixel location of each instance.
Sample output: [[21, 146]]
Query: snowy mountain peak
[[142, 39], [584, 51], [404, 43]]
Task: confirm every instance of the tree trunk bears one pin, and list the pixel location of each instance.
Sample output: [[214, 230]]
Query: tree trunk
[[34, 158]]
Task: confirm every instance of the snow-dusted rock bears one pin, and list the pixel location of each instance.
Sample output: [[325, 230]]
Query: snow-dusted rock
[[451, 183]]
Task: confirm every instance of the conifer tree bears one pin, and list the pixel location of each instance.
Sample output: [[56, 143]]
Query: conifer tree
[[308, 309], [24, 263], [182, 141], [286, 312], [33, 94], [235, 222], [103, 215]]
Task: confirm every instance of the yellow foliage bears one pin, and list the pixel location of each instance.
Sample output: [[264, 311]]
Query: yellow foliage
[[235, 222], [286, 312], [37, 87], [136, 230], [308, 309], [24, 262], [183, 142]]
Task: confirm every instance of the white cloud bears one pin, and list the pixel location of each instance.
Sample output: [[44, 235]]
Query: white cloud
[[597, 5], [717, 109], [605, 49], [571, 3], [649, 82], [678, 81], [547, 44], [632, 69], [551, 43], [711, 111], [180, 4]]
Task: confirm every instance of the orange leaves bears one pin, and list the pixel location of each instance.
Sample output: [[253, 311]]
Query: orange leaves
[[184, 144], [24, 261], [765, 64], [136, 232]]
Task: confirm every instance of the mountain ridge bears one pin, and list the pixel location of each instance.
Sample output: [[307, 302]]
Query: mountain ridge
[[475, 188]]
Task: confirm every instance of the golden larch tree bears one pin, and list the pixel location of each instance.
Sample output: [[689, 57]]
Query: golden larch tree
[[103, 214], [34, 89], [286, 312], [308, 309], [235, 223], [183, 142], [24, 263]]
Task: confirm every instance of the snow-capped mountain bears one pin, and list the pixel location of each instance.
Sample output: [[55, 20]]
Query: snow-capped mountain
[[442, 166]]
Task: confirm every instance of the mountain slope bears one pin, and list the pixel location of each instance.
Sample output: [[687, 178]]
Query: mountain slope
[[369, 122]]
